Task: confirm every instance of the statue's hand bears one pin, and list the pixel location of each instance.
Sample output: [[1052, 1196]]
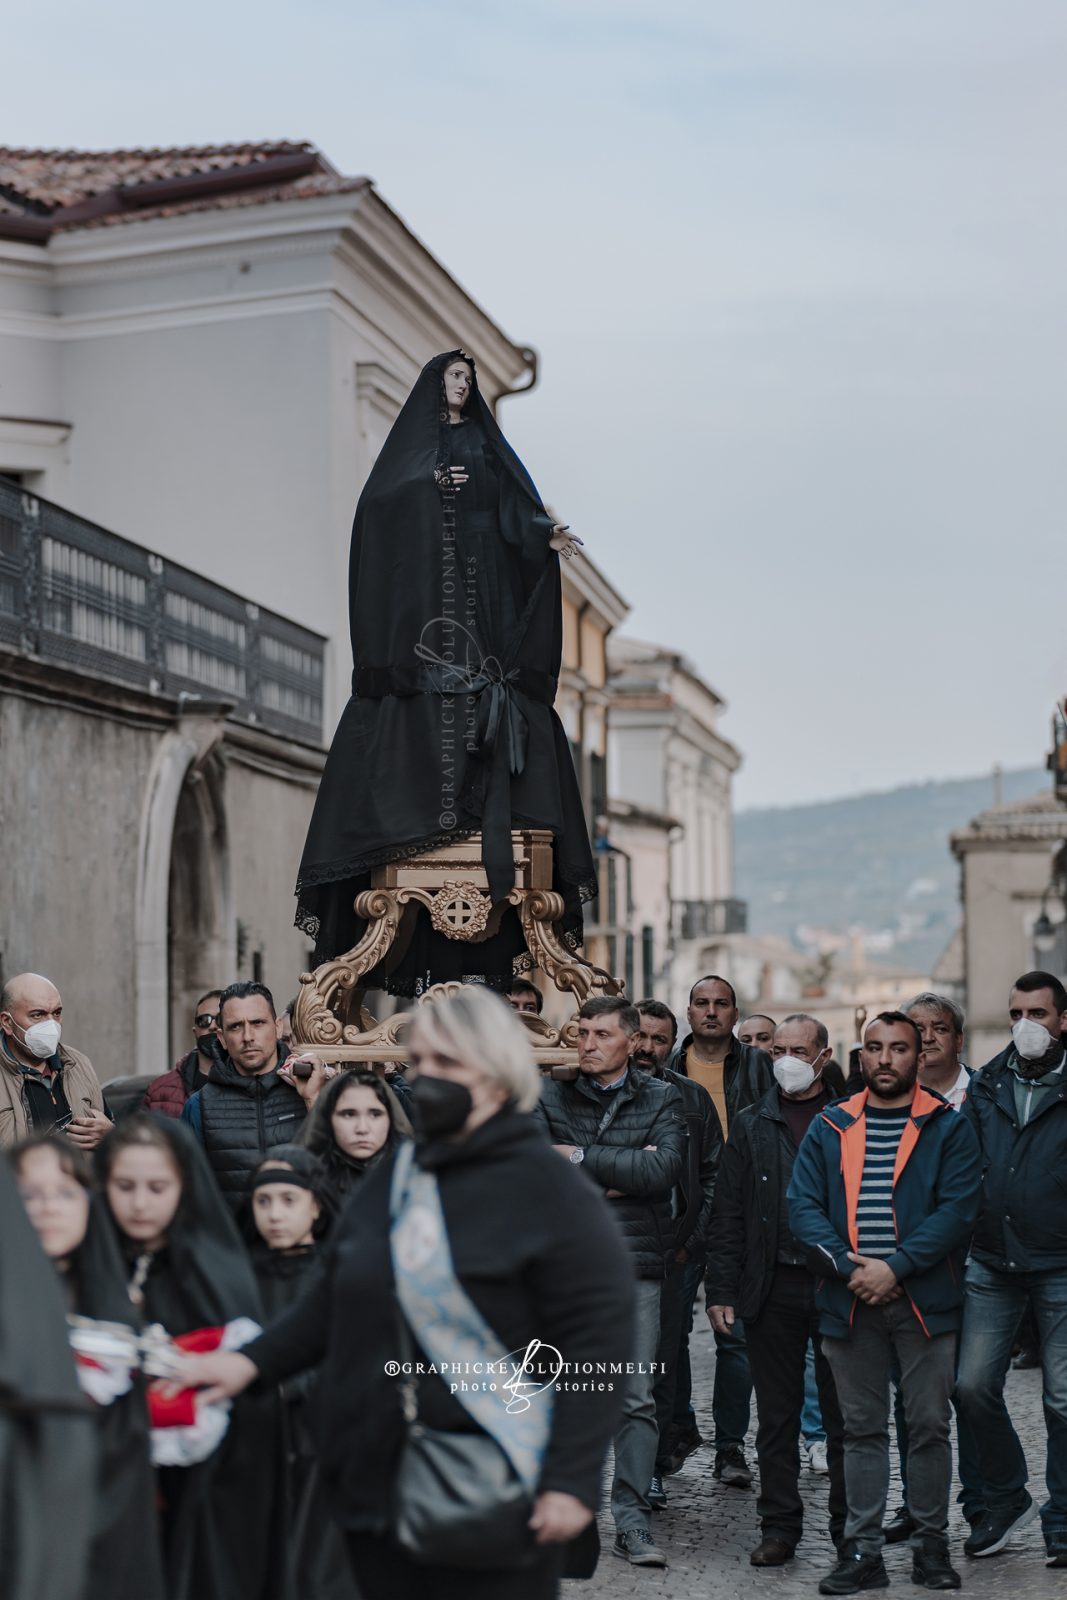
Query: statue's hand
[[564, 541]]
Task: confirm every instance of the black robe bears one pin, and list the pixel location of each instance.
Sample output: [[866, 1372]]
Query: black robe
[[47, 1439], [221, 1537], [125, 1561], [456, 620], [315, 1551]]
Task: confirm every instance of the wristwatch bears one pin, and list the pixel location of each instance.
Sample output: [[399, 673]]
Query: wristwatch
[[577, 1157]]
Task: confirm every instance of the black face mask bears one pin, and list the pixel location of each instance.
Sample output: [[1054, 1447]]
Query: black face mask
[[440, 1106], [204, 1046]]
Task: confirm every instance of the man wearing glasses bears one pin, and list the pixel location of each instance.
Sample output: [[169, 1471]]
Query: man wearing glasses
[[169, 1092]]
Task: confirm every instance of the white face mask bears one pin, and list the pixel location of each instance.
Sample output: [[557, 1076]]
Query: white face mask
[[1032, 1039], [42, 1039], [794, 1075]]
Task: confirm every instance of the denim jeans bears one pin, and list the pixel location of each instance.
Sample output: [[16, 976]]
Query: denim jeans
[[992, 1310], [637, 1436], [861, 1367], [811, 1416], [675, 1321], [972, 1492], [731, 1396]]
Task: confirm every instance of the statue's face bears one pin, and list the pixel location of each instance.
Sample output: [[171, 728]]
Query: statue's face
[[458, 381]]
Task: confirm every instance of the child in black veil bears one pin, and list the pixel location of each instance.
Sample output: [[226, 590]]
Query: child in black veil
[[55, 1183], [291, 1213], [191, 1273]]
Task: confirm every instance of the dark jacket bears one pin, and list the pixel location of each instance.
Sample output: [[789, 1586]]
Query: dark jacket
[[169, 1092], [936, 1190], [1022, 1223], [540, 1256], [746, 1225], [703, 1152], [747, 1073], [650, 1112], [240, 1118]]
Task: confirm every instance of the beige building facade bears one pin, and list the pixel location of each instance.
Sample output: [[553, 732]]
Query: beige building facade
[[1013, 870]]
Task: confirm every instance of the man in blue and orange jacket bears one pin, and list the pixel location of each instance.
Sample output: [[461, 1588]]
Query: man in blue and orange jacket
[[884, 1195]]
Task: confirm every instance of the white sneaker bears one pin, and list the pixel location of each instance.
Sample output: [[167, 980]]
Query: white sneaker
[[817, 1457]]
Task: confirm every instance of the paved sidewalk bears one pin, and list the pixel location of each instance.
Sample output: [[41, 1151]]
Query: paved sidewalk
[[708, 1531]]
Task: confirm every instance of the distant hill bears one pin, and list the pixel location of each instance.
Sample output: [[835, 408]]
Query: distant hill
[[876, 862]]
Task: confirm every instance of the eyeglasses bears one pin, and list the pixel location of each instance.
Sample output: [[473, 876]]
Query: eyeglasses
[[205, 1020]]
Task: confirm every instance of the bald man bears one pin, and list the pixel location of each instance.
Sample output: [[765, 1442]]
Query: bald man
[[43, 1083]]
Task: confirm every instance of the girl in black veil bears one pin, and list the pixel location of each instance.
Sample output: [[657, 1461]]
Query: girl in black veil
[[456, 621], [48, 1449], [190, 1272], [54, 1180]]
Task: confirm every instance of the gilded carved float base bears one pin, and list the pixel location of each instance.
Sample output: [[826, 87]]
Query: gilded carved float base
[[329, 1019]]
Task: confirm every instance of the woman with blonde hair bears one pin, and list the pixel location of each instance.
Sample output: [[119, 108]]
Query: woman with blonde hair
[[465, 1251]]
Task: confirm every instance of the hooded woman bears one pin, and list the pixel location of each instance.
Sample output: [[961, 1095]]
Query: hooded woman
[[456, 620], [54, 1181], [191, 1274], [357, 1120]]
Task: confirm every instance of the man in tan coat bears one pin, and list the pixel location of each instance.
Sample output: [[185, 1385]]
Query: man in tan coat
[[43, 1083]]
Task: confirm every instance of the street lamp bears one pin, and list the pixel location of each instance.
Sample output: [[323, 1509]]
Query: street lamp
[[1044, 933]]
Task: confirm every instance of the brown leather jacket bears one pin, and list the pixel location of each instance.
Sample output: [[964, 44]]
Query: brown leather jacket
[[80, 1085]]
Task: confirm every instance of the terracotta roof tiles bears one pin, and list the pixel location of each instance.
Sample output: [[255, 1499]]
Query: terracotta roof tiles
[[43, 192]]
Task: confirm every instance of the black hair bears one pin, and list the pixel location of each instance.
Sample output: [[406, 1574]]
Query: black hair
[[662, 1013], [246, 991], [900, 1020], [524, 986], [713, 977], [1031, 982], [317, 1133], [612, 1005], [208, 994]]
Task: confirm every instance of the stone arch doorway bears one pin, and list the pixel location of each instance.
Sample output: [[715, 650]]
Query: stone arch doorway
[[184, 921], [199, 924]]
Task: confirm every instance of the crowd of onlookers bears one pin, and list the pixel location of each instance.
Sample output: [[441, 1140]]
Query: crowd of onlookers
[[870, 1239]]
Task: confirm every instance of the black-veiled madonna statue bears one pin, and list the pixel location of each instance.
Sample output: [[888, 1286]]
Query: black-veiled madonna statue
[[456, 620]]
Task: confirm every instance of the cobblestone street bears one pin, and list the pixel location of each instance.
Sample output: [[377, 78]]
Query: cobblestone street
[[708, 1530]]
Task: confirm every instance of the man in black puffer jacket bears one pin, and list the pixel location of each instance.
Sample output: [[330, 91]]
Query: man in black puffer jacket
[[627, 1131], [695, 1196], [245, 1108]]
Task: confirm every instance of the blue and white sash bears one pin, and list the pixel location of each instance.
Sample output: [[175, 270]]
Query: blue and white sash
[[452, 1331]]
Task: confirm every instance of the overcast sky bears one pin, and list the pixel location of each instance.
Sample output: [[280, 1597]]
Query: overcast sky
[[796, 271]]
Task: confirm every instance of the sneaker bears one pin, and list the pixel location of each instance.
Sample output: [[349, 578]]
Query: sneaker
[[855, 1573], [657, 1494], [1057, 1555], [989, 1536], [732, 1468], [817, 1457], [637, 1547], [931, 1566], [680, 1446]]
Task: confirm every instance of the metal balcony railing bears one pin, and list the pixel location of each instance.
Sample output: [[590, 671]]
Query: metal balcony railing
[[86, 599], [704, 919]]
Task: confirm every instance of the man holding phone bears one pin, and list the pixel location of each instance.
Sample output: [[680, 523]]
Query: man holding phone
[[44, 1083]]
